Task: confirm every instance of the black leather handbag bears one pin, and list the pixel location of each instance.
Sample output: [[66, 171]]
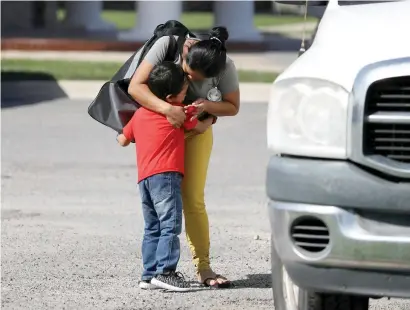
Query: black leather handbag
[[113, 106]]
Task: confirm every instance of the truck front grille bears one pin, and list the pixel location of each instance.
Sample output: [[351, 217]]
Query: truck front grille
[[386, 128]]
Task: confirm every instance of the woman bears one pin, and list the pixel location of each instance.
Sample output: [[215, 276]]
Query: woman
[[207, 66]]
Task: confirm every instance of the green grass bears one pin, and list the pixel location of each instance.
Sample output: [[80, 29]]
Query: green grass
[[193, 20], [251, 76], [19, 69]]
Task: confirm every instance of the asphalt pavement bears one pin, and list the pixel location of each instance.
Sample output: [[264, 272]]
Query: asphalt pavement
[[72, 224]]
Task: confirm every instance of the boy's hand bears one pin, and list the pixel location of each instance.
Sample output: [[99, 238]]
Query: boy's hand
[[197, 107], [122, 140], [190, 110]]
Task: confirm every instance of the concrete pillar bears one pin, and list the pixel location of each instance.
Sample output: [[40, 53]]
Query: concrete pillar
[[50, 18], [237, 16], [86, 15], [149, 15]]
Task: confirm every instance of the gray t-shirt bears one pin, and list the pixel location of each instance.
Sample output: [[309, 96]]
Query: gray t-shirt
[[226, 82]]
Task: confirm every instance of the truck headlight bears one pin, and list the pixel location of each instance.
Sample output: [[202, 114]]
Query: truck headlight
[[308, 117]]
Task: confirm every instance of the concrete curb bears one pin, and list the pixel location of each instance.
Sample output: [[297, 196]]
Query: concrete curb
[[48, 90], [267, 61]]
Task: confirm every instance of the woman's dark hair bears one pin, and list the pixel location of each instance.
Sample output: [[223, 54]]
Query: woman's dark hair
[[165, 79], [208, 57]]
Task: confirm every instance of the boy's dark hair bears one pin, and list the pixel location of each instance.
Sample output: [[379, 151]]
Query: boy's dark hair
[[208, 57], [165, 79]]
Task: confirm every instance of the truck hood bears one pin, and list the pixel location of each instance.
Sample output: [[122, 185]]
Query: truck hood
[[351, 37]]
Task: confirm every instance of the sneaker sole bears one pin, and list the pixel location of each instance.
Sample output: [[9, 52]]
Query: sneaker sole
[[147, 286], [168, 287]]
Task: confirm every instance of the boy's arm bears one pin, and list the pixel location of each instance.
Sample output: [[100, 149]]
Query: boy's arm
[[127, 135], [122, 140], [190, 123], [201, 126]]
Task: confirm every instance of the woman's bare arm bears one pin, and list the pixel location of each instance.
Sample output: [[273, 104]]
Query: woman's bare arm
[[229, 87], [138, 89], [228, 107]]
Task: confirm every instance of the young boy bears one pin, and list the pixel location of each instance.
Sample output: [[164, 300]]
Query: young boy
[[160, 162]]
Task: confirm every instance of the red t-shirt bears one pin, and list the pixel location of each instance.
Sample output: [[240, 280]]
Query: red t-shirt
[[160, 147]]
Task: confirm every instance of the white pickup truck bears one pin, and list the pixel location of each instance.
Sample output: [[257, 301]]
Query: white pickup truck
[[338, 180]]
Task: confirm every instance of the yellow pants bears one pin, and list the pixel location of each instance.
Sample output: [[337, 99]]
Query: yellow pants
[[198, 150]]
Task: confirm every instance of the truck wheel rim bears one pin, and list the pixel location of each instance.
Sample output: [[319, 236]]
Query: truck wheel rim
[[291, 292]]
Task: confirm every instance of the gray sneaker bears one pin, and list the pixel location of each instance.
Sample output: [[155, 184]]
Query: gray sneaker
[[147, 285], [171, 281]]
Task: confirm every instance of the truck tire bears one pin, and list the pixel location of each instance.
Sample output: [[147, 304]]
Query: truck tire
[[287, 296], [316, 301]]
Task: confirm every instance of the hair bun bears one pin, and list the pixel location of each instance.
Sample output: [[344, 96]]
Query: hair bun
[[221, 33]]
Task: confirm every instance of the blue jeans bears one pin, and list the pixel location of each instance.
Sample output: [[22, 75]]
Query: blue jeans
[[162, 211]]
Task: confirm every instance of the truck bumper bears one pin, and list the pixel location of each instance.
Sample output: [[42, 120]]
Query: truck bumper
[[339, 228]]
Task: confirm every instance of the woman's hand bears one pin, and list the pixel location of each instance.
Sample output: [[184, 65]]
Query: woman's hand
[[175, 115]]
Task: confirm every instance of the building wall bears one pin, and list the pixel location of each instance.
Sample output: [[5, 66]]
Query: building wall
[[27, 15], [198, 6], [16, 15]]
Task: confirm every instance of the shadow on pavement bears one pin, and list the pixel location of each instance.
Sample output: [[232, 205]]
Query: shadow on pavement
[[27, 88], [253, 281]]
